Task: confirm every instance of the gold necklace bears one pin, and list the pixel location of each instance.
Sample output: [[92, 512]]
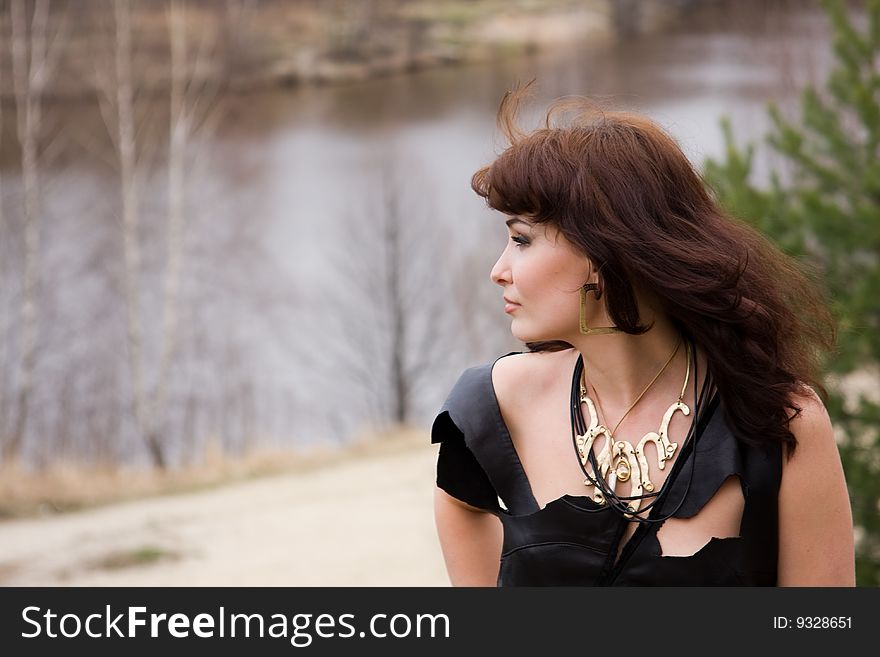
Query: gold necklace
[[642, 394], [628, 461]]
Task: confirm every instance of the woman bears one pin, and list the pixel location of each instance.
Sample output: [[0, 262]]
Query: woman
[[662, 428]]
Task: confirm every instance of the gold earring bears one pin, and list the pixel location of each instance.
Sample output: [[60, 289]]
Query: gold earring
[[593, 286], [586, 330]]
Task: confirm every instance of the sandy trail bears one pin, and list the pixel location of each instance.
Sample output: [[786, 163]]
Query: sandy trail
[[365, 522]]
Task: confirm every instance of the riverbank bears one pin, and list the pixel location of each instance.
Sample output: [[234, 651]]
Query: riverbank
[[243, 45]]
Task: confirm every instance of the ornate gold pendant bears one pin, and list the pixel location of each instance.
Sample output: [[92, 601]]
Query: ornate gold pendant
[[621, 470], [628, 462]]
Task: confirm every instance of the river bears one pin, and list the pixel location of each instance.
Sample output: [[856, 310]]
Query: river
[[284, 332]]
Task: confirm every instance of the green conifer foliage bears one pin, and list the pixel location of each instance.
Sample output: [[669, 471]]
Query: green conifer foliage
[[823, 208]]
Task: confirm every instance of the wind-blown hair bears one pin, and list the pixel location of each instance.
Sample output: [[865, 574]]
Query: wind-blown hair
[[621, 190]]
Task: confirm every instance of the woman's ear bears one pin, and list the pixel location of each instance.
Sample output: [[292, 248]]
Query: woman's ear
[[600, 284]]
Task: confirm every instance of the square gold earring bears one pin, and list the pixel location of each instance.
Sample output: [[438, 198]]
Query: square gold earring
[[586, 330]]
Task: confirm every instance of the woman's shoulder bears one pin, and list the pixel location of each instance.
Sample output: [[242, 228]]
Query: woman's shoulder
[[811, 422], [521, 376], [811, 426], [814, 465], [505, 380]]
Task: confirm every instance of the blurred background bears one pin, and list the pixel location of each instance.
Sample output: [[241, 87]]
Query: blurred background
[[238, 246]]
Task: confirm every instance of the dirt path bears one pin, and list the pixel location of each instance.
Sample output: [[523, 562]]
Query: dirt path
[[359, 523]]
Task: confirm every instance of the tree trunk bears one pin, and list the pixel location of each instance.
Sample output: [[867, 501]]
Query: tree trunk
[[29, 75]]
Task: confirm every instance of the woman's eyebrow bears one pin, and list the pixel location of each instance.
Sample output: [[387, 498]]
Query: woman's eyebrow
[[517, 220]]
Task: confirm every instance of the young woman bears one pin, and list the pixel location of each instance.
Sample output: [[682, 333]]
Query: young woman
[[662, 428]]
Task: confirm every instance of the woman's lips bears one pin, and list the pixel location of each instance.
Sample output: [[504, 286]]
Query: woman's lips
[[510, 307]]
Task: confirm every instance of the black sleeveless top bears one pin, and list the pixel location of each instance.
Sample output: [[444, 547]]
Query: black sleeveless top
[[573, 541]]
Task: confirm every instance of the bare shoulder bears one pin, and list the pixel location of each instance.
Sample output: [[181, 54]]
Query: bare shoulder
[[811, 426], [815, 464], [522, 376]]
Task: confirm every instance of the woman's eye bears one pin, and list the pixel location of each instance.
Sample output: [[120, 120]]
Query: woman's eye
[[521, 241]]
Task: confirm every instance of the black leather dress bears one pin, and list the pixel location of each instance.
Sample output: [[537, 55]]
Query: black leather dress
[[573, 541]]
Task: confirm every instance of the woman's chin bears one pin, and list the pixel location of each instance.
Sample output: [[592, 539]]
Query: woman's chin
[[527, 336]]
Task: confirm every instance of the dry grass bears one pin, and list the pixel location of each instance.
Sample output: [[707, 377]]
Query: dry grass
[[69, 487], [140, 556]]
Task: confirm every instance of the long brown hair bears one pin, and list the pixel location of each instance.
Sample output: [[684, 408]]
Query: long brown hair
[[620, 188]]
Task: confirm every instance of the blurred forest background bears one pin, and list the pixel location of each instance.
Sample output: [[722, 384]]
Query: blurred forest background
[[245, 226]]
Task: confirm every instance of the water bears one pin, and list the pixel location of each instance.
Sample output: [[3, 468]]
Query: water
[[283, 329]]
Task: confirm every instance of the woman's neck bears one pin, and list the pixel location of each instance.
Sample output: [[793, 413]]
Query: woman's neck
[[620, 365]]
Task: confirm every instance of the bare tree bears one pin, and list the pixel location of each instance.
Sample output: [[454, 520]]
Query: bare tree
[[117, 105], [198, 66], [30, 62], [389, 305], [193, 91]]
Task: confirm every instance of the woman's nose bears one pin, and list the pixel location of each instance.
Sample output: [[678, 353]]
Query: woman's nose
[[500, 274]]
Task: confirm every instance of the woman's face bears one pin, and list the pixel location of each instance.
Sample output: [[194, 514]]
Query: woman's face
[[541, 273]]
